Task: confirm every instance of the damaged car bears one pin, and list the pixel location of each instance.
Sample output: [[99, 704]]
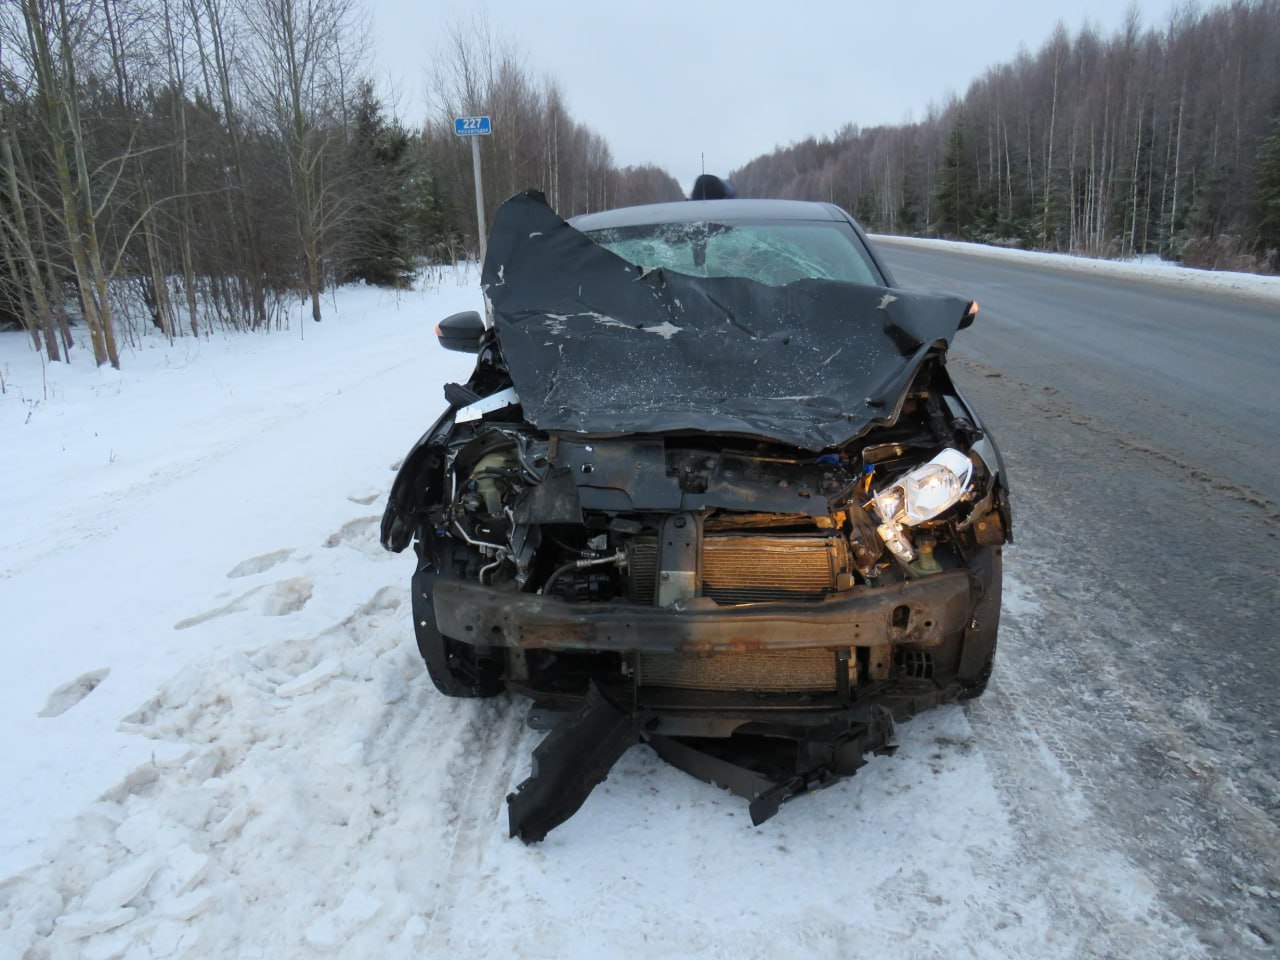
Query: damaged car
[[711, 488]]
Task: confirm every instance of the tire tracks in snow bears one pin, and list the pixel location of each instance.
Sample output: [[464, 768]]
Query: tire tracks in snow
[[1068, 855], [1140, 665], [1073, 741], [484, 767], [101, 513]]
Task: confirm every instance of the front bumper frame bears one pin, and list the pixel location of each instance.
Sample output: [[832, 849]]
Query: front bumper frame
[[921, 613]]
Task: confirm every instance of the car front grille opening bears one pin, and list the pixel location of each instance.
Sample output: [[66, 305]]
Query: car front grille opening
[[781, 671], [915, 664], [642, 568]]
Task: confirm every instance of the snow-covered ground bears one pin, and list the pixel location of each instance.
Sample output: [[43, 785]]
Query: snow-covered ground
[[1249, 285], [219, 741]]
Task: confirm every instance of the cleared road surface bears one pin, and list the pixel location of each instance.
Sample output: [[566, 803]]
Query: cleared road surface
[[1141, 429]]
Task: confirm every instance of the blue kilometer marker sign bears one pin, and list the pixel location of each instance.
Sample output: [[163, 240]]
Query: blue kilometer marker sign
[[472, 126]]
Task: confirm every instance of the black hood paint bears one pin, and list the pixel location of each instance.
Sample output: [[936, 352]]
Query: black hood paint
[[596, 345]]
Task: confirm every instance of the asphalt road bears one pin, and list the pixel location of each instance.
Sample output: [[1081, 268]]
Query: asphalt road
[[1141, 431]]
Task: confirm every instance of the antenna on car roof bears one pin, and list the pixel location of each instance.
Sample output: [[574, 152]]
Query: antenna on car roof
[[710, 187]]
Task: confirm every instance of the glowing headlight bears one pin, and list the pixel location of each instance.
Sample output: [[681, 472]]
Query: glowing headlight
[[923, 493]]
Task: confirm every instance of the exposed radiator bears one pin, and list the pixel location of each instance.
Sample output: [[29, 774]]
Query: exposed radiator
[[753, 569], [642, 568], [785, 671]]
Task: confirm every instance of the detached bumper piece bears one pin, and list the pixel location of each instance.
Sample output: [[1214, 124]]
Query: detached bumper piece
[[762, 763], [779, 768], [576, 756]]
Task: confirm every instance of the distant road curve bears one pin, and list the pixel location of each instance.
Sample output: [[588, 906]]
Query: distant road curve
[[1248, 286], [1188, 369]]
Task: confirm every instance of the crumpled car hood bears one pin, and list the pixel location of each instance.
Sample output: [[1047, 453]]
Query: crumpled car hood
[[597, 345]]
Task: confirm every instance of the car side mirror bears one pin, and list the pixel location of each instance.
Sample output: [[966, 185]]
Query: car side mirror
[[461, 332], [969, 315]]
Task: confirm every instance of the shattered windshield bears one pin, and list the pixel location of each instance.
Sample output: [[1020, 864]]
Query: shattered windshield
[[774, 253]]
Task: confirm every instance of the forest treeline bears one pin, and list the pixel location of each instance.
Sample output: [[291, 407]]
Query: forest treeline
[[198, 164], [1161, 140]]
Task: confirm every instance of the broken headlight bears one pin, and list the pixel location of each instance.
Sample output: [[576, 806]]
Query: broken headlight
[[919, 495]]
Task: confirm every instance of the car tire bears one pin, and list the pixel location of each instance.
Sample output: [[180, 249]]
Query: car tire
[[978, 655], [456, 669], [459, 670], [976, 687]]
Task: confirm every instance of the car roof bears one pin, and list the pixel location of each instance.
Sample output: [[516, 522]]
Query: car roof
[[688, 211]]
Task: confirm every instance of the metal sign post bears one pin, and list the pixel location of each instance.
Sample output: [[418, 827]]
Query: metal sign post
[[475, 127]]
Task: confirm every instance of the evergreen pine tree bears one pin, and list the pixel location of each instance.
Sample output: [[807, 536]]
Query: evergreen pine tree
[[381, 249], [955, 189], [432, 232], [865, 213], [1267, 198], [907, 216]]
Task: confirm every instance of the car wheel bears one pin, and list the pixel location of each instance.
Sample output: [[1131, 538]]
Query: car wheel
[[979, 652], [457, 669], [976, 687]]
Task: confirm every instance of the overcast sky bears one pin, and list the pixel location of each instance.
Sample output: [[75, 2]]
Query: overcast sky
[[664, 82]]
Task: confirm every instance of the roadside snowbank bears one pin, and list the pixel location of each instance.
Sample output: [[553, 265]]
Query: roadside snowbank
[[133, 493], [1247, 285]]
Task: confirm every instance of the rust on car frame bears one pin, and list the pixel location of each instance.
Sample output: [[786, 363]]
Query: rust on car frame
[[732, 645], [584, 636], [532, 622], [536, 636]]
